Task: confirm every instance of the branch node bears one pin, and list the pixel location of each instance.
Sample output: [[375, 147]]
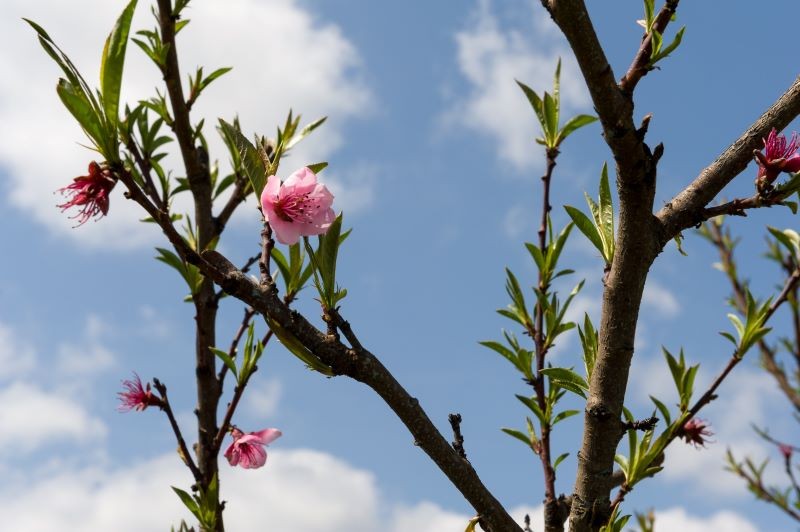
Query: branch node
[[458, 442]]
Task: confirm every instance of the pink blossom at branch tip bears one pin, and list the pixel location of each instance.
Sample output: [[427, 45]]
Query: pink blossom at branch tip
[[696, 432], [90, 193], [247, 450], [136, 396], [300, 206], [779, 155]]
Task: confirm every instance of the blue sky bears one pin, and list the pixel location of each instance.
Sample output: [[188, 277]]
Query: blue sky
[[432, 159]]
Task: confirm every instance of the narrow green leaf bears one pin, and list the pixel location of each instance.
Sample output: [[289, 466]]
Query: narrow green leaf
[[564, 415], [187, 500], [252, 164], [573, 124], [560, 459], [535, 101], [518, 435], [662, 409], [113, 62], [585, 226], [534, 407], [81, 109], [304, 133], [606, 212], [551, 119], [227, 360]]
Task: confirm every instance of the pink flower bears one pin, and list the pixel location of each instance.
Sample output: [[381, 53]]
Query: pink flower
[[247, 450], [90, 193], [696, 432], [786, 450], [137, 397], [298, 207], [778, 156]]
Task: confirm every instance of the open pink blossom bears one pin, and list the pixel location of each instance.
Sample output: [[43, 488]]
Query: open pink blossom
[[297, 207], [247, 450], [779, 156], [136, 396], [89, 193]]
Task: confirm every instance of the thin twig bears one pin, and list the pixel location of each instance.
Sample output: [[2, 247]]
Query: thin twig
[[185, 456]]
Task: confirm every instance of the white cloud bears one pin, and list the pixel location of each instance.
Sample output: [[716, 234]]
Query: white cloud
[[678, 519], [491, 57], [282, 58], [31, 415], [516, 220], [297, 491], [660, 299], [16, 357], [91, 356], [353, 188], [263, 396]]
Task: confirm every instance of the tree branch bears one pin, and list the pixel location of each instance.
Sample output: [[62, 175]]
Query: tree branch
[[687, 208], [358, 364]]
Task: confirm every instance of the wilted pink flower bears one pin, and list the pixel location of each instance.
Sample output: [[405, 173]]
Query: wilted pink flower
[[137, 397], [90, 193], [298, 207], [696, 432], [779, 156], [786, 450], [247, 450]]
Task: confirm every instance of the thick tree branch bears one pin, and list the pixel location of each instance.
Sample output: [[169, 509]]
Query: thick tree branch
[[687, 208], [614, 108], [356, 363]]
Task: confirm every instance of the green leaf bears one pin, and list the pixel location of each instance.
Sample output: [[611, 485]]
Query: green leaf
[[585, 226], [661, 54], [518, 435], [227, 360], [187, 500], [113, 61], [559, 460], [573, 124], [304, 133], [564, 415], [663, 410], [567, 378], [534, 407], [535, 101], [293, 344], [606, 215], [317, 167], [551, 119], [81, 109], [252, 164]]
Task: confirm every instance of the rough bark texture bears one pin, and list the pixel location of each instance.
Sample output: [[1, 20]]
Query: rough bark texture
[[195, 162]]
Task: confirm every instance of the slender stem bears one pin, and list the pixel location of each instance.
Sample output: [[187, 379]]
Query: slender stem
[[248, 315], [267, 243], [722, 241], [145, 170], [185, 455], [553, 519]]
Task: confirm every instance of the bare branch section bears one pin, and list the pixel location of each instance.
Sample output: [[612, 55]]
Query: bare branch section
[[356, 363], [687, 208]]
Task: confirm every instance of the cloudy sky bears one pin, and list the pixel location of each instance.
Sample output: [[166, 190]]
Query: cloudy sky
[[432, 159]]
